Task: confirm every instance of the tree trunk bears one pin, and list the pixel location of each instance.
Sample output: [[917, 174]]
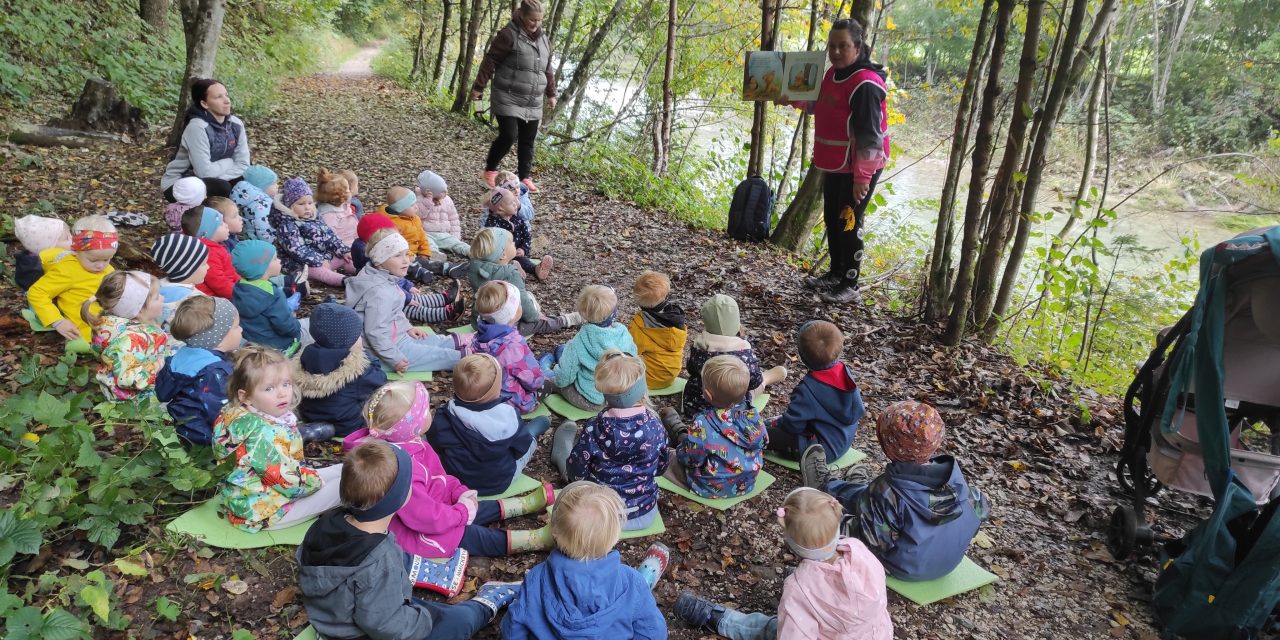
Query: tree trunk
[[760, 110], [959, 317], [799, 142], [580, 72], [438, 70], [100, 109], [201, 28], [939, 277], [462, 95], [1090, 154], [1102, 24], [1035, 172], [553, 22], [1003, 190], [568, 39], [464, 18], [662, 137], [1161, 87], [156, 14], [802, 215], [419, 43], [573, 113]]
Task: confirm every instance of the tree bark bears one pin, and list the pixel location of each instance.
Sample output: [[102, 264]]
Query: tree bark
[[581, 71], [662, 137], [959, 317], [438, 70], [568, 39], [420, 44], [553, 22], [1160, 89], [760, 110], [100, 109], [201, 28], [462, 95], [463, 21], [156, 14], [1003, 189], [939, 276]]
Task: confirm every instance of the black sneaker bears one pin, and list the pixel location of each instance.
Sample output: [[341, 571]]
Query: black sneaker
[[821, 283], [457, 270], [698, 613], [676, 428], [453, 293], [814, 472], [843, 294], [316, 431]]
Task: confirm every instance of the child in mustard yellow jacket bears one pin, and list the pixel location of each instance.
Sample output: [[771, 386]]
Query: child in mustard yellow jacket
[[73, 277], [658, 329]]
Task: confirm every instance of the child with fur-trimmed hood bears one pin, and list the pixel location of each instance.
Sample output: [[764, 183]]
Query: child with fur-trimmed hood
[[336, 374]]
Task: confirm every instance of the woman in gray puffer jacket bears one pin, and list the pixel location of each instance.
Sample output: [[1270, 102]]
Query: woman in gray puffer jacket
[[519, 63]]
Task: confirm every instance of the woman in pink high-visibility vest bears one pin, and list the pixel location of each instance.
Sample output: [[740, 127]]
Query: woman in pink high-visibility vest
[[850, 146]]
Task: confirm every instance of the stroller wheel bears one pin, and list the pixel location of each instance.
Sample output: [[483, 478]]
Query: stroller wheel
[[1128, 532]]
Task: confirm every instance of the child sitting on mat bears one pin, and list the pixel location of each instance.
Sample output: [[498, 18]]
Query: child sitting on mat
[[583, 583], [838, 591], [308, 245], [491, 253], [658, 329], [264, 312], [498, 309], [193, 381], [255, 195], [71, 277], [575, 365], [333, 205], [185, 263], [41, 239], [443, 514], [127, 337], [826, 406], [722, 453], [335, 374], [503, 209], [376, 295], [723, 335], [624, 447], [919, 516], [439, 216], [271, 486], [353, 576], [484, 442], [418, 306], [206, 225]]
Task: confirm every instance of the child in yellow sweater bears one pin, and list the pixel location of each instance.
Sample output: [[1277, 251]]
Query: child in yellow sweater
[[73, 277]]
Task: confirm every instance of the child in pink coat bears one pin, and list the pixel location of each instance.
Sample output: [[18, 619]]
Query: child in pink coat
[[837, 592], [442, 513]]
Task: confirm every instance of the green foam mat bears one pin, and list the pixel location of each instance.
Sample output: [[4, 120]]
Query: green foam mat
[[760, 401], [538, 411], [966, 577], [850, 458], [308, 634], [419, 376], [763, 481], [671, 389], [204, 522], [32, 319], [558, 404], [521, 485], [657, 528], [79, 345], [466, 328]]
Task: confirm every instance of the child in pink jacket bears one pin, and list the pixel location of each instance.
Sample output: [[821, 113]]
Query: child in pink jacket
[[440, 216], [497, 334], [442, 513], [837, 592]]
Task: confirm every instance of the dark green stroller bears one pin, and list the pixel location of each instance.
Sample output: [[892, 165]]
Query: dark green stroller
[[1210, 379]]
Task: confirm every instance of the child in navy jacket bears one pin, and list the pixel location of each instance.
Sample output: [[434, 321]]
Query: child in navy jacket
[[266, 315], [481, 438], [336, 374], [827, 405], [193, 381]]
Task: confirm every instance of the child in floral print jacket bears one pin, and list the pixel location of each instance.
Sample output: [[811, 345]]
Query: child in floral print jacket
[[127, 336], [722, 453], [305, 241]]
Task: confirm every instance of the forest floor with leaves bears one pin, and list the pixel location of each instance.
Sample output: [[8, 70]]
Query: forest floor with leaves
[[1043, 451]]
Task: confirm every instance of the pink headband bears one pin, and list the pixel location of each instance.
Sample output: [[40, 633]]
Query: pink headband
[[507, 312], [406, 428], [137, 288]]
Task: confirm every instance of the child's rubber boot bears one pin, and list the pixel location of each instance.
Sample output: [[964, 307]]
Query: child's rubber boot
[[562, 444], [543, 270], [676, 428], [532, 502], [444, 576], [496, 595], [526, 540], [316, 431], [547, 362], [294, 301], [814, 472], [655, 562], [697, 612]]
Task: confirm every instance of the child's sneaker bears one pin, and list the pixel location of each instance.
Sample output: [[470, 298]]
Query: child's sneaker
[[496, 595], [814, 472], [445, 577], [543, 270], [456, 270], [655, 563], [697, 612]]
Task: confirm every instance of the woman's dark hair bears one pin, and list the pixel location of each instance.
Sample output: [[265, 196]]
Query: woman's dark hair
[[200, 90], [856, 33]]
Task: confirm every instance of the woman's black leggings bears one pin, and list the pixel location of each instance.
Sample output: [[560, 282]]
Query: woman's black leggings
[[845, 246], [212, 187], [522, 133]]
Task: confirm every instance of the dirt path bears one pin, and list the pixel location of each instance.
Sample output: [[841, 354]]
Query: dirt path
[[1019, 436], [358, 65]]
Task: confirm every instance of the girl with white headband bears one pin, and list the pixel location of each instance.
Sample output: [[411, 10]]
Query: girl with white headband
[[838, 590], [375, 294], [127, 337]]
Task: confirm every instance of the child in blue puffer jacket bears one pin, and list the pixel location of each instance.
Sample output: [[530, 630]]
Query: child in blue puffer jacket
[[193, 381], [722, 453], [826, 406], [583, 590], [920, 515], [575, 367], [624, 447]]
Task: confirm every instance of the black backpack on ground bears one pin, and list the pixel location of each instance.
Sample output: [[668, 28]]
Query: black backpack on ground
[[751, 211]]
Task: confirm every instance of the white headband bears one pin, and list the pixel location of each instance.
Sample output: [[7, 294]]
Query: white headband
[[819, 554], [137, 288], [387, 248], [507, 312]]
